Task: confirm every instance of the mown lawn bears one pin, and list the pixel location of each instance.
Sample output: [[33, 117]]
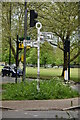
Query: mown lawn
[[75, 74], [44, 73], [52, 72]]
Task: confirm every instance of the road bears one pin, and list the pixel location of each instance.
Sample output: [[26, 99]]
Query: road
[[76, 87], [39, 114], [7, 79]]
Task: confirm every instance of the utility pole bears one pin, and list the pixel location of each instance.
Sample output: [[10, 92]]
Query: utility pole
[[17, 47], [25, 35], [10, 35]]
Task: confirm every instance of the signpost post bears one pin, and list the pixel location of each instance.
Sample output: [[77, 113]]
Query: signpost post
[[36, 44], [38, 26]]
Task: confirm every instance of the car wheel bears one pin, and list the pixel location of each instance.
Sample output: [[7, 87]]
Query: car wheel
[[19, 76], [2, 75], [10, 74]]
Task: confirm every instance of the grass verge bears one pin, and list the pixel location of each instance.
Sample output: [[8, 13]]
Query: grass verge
[[49, 73], [51, 89]]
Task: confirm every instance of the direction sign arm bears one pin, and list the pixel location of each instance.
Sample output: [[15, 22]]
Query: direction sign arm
[[56, 45]]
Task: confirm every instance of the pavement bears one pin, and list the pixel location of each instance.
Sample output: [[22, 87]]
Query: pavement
[[37, 105]]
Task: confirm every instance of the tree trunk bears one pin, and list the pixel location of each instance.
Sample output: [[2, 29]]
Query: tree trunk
[[65, 62], [62, 72]]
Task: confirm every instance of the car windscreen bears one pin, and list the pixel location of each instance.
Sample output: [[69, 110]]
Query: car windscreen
[[7, 67]]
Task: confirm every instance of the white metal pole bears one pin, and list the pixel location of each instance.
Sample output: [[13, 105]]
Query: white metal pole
[[38, 26], [38, 62]]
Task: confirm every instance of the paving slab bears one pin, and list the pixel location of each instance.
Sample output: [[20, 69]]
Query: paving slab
[[60, 104]]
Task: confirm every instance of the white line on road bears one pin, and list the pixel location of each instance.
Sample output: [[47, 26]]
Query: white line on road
[[25, 113], [16, 110], [35, 115]]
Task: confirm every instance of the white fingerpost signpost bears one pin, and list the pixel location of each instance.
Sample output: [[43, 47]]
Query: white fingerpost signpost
[[36, 44], [38, 26]]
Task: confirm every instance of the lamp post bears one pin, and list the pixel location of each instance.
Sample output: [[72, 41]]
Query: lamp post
[[25, 34], [17, 45], [10, 35]]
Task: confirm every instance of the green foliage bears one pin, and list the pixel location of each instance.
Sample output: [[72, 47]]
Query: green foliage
[[60, 18], [51, 89], [47, 54], [31, 57], [58, 56], [5, 56]]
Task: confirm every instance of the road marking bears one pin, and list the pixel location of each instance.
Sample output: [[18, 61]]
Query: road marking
[[16, 110], [35, 115], [25, 113]]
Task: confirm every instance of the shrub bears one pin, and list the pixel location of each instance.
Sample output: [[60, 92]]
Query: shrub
[[28, 91]]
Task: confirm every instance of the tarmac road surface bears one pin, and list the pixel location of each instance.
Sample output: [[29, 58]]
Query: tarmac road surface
[[39, 114], [7, 79]]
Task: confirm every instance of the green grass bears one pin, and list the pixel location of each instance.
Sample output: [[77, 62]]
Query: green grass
[[75, 76], [49, 73], [44, 73], [52, 89], [1, 68]]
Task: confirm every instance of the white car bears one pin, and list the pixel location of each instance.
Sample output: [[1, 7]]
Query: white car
[[55, 66]]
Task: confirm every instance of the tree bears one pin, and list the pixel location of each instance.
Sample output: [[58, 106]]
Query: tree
[[17, 16], [47, 54], [31, 57], [62, 19]]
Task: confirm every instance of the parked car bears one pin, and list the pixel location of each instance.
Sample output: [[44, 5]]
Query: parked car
[[55, 66], [2, 65], [60, 66], [8, 70]]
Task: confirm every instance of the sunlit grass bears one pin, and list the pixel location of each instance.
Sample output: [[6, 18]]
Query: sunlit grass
[[75, 74], [52, 72], [1, 68]]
